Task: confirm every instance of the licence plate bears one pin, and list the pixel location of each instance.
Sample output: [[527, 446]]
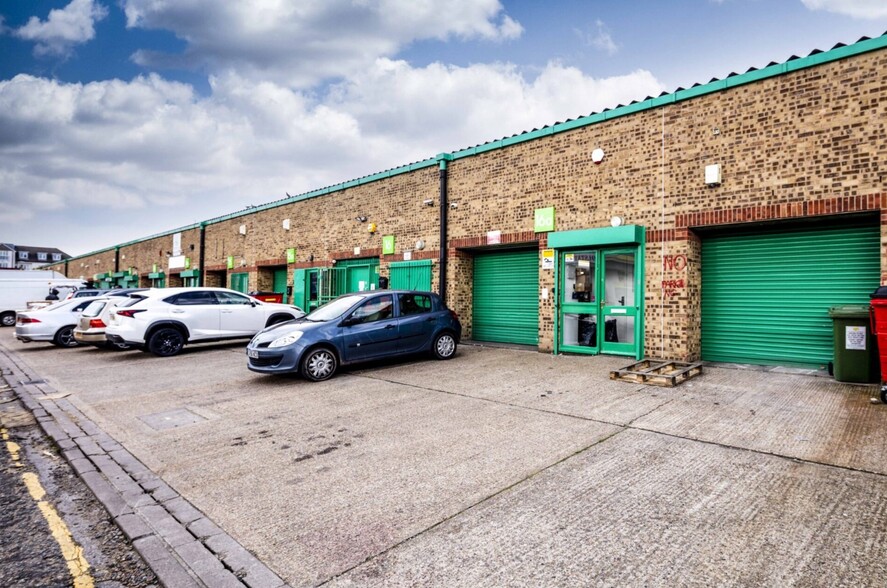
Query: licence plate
[[252, 353]]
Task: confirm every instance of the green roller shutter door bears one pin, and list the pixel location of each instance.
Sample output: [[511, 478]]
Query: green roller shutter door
[[410, 275], [240, 282], [506, 297], [765, 296]]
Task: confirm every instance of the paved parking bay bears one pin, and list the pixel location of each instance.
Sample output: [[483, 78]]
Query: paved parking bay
[[505, 467]]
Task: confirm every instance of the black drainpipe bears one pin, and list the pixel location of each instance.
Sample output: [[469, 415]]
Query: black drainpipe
[[201, 272], [116, 259], [444, 206]]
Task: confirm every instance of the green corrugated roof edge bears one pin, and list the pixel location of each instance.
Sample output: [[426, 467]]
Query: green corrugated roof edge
[[864, 45]]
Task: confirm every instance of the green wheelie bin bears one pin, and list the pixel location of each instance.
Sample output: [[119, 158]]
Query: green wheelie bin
[[856, 358]]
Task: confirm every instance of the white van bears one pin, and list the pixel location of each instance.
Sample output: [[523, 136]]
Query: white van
[[18, 287]]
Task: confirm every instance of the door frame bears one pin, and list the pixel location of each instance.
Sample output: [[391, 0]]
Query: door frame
[[624, 238]]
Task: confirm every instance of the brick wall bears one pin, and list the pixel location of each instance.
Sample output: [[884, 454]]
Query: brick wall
[[805, 144]]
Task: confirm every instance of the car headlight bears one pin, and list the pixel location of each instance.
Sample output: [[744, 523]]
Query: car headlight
[[286, 339]]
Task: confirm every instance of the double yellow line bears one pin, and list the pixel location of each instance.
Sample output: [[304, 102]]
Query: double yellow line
[[73, 553]]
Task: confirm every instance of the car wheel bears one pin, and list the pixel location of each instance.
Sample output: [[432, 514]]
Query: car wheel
[[7, 319], [65, 337], [884, 394], [319, 364], [444, 346], [165, 342]]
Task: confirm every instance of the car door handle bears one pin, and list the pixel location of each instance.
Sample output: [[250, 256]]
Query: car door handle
[[430, 319], [177, 311], [390, 327]]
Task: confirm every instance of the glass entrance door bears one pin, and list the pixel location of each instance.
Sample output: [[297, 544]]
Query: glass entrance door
[[619, 306], [599, 305], [580, 306]]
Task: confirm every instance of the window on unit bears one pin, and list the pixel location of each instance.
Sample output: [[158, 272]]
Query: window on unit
[[23, 254], [56, 256], [41, 256]]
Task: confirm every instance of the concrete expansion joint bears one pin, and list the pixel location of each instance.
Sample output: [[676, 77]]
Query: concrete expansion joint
[[181, 545], [760, 452]]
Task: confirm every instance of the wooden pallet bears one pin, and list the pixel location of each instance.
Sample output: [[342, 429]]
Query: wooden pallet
[[657, 372]]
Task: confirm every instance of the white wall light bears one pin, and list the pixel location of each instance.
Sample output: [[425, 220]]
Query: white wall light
[[242, 230], [713, 174], [286, 224], [597, 155]]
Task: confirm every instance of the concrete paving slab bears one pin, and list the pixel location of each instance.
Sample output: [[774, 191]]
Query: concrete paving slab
[[503, 467], [805, 417], [643, 509], [565, 384], [349, 467]]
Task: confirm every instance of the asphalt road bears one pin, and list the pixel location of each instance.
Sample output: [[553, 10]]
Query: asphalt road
[[505, 467], [30, 554]]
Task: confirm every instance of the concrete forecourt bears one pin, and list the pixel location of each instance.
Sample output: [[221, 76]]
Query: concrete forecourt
[[499, 467]]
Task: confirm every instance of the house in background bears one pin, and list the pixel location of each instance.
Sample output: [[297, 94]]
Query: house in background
[[7, 256], [27, 257]]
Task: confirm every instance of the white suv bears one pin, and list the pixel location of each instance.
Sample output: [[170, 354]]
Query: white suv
[[163, 320]]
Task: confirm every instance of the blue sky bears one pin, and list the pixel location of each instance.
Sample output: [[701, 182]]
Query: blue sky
[[124, 118]]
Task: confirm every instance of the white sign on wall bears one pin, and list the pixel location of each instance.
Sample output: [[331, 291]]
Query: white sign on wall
[[177, 262], [176, 244]]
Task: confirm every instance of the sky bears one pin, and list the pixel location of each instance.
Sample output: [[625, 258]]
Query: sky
[[120, 119]]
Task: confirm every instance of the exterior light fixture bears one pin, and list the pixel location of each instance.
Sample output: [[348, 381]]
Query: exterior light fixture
[[712, 175], [420, 244], [242, 230], [371, 227], [428, 202], [616, 221], [361, 219], [597, 155], [286, 224]]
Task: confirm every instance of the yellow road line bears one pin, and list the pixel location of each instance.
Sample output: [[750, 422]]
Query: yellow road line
[[73, 553]]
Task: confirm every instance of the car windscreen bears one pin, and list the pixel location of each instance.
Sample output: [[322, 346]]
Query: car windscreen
[[333, 309], [95, 308]]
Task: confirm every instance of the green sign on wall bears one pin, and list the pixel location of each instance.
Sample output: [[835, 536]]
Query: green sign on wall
[[388, 244], [230, 262], [544, 220], [291, 255], [187, 263]]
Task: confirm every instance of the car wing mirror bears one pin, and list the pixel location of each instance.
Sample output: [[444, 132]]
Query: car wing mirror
[[348, 322]]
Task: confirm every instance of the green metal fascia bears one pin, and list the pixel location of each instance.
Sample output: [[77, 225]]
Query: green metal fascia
[[156, 275], [116, 248], [328, 190], [597, 237], [775, 70], [190, 273], [685, 94]]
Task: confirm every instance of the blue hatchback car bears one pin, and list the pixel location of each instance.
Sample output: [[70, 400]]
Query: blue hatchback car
[[354, 328]]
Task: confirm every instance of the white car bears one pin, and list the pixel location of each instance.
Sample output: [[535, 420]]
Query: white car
[[54, 323], [90, 329], [163, 320]]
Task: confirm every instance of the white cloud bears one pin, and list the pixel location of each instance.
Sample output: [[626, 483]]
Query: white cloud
[[603, 40], [302, 43], [72, 25], [864, 9], [164, 155]]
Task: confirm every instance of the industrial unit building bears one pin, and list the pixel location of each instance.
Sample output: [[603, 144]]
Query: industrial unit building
[[718, 222]]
